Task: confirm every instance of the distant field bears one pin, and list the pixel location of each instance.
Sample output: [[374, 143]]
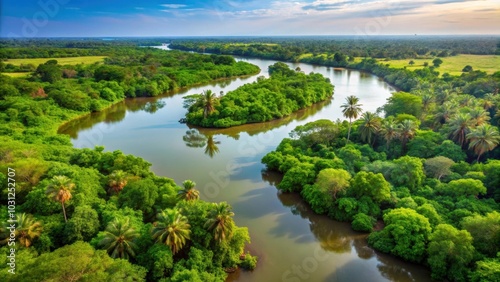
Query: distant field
[[453, 65], [61, 61], [16, 74]]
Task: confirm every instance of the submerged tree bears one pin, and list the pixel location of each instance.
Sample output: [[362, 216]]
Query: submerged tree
[[351, 110], [59, 190]]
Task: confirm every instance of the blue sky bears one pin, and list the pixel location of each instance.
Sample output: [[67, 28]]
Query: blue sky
[[46, 18]]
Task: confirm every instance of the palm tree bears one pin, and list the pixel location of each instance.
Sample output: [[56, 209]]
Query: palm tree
[[407, 130], [445, 111], [351, 110], [27, 230], [482, 139], [208, 101], [171, 229], [220, 222], [189, 193], [119, 239], [427, 100], [370, 126], [479, 116], [389, 130], [460, 126], [59, 190], [117, 180], [211, 149]]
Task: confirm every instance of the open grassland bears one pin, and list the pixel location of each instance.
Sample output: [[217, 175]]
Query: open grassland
[[61, 61], [453, 65], [16, 74]]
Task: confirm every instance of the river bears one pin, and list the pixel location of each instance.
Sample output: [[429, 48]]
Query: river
[[292, 243]]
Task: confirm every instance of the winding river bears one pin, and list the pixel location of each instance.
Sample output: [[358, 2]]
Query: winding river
[[292, 243]]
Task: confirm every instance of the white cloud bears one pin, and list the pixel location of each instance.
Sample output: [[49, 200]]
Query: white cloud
[[174, 6]]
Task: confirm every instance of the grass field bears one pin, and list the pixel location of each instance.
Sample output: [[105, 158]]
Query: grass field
[[453, 65], [16, 74], [61, 61]]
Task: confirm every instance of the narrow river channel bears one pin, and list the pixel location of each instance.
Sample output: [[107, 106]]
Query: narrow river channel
[[292, 243]]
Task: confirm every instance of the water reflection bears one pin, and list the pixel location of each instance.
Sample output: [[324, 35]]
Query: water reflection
[[194, 139], [338, 237]]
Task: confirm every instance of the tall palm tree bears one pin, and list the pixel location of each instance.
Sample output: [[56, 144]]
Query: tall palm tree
[[427, 100], [27, 230], [59, 190], [208, 99], [171, 229], [220, 222], [389, 130], [370, 126], [482, 139], [117, 180], [445, 112], [407, 130], [460, 126], [351, 110], [119, 239], [479, 116], [189, 193], [211, 149]]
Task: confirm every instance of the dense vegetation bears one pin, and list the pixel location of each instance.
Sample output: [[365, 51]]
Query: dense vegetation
[[284, 92], [293, 48], [428, 171], [91, 215]]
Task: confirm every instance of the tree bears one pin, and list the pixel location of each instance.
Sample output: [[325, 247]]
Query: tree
[[464, 187], [389, 130], [437, 62], [479, 116], [369, 127], [450, 251], [188, 192], [411, 63], [460, 126], [403, 103], [80, 262], [333, 181], [83, 225], [486, 232], [220, 222], [119, 239], [27, 230], [208, 102], [438, 167], [117, 180], [482, 139], [405, 234], [467, 68], [406, 132], [171, 229], [351, 110], [372, 185], [59, 190], [408, 172]]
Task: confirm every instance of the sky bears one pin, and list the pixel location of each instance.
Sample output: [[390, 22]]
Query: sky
[[114, 18]]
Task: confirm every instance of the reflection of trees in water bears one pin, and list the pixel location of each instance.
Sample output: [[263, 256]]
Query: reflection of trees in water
[[194, 139], [338, 237], [153, 107], [114, 114]]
